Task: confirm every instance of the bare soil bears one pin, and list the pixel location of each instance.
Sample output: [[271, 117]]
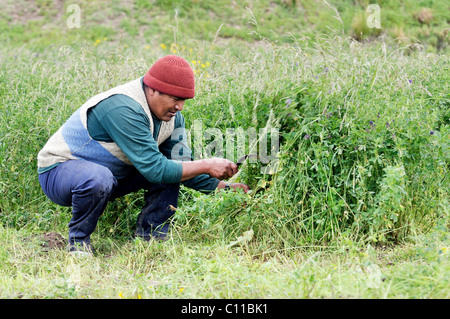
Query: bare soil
[[52, 240]]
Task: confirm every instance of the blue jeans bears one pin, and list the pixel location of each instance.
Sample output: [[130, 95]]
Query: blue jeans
[[88, 187]]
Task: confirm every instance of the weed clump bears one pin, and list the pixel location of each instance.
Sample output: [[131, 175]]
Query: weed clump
[[362, 152]]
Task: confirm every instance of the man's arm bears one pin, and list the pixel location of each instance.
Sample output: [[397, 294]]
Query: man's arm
[[176, 148], [129, 129]]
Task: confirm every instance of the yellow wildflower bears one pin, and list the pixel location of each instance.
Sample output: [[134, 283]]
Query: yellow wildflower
[[120, 295], [163, 46]]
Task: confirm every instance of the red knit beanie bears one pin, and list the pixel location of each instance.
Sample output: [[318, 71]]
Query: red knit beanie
[[171, 75]]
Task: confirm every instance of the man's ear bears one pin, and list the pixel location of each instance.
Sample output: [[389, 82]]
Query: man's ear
[[151, 91]]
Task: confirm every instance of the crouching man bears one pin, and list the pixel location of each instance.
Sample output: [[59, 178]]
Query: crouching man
[[129, 138]]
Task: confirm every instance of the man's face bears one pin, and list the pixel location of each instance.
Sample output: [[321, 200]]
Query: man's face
[[163, 106]]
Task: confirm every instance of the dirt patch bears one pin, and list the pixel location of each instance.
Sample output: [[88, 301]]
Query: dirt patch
[[52, 240], [23, 11]]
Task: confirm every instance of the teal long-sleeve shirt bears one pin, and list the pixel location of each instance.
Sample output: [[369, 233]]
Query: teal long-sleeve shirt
[[122, 120]]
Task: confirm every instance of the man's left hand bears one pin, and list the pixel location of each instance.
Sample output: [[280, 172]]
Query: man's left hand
[[245, 187]]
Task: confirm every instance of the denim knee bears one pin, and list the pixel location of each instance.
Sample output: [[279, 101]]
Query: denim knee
[[100, 183]]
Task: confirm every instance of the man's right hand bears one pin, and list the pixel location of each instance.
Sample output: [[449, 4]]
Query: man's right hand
[[219, 168]]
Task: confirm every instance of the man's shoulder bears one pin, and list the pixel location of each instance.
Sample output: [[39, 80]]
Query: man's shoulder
[[118, 101]]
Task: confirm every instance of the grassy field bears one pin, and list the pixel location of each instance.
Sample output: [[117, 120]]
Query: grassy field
[[358, 206]]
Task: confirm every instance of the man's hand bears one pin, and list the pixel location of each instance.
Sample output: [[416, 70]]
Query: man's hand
[[219, 168], [245, 187], [215, 167]]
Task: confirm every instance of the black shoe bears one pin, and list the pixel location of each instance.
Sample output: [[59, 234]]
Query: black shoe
[[160, 237]]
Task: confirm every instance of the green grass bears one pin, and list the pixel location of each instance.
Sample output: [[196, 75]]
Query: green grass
[[358, 209], [184, 269], [281, 21]]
